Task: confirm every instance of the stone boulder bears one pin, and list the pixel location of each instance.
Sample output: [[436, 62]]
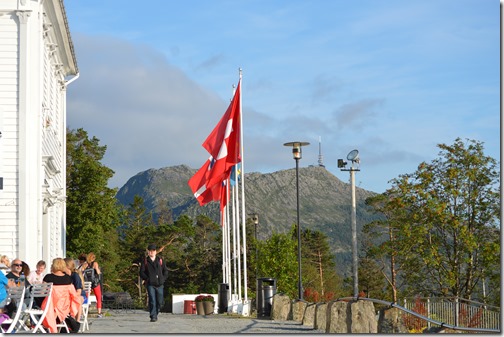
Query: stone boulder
[[363, 317], [298, 310], [309, 314], [336, 317], [320, 316], [281, 308], [390, 321]]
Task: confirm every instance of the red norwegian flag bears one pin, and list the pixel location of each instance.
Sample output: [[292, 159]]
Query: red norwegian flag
[[198, 185], [223, 143]]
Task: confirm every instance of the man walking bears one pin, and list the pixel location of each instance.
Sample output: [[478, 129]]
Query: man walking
[[154, 273]]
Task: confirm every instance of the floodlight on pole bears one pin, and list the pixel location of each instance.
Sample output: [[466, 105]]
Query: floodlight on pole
[[353, 157], [297, 154]]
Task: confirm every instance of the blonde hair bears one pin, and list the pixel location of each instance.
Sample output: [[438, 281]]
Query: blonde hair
[[90, 258], [58, 264], [70, 263], [5, 260]]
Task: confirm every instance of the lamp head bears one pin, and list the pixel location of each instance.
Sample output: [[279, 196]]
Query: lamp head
[[353, 156], [296, 148]]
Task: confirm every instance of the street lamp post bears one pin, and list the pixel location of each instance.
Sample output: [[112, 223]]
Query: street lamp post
[[296, 152], [255, 219], [353, 156]]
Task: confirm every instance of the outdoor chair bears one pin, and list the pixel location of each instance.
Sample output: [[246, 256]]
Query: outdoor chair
[[36, 314], [85, 307], [14, 295], [62, 325]]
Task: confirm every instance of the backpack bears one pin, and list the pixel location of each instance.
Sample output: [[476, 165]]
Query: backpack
[[90, 275]]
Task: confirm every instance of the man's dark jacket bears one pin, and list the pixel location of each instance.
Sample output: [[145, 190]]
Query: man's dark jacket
[[153, 272]]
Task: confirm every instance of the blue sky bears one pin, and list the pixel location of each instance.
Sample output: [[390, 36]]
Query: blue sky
[[390, 78]]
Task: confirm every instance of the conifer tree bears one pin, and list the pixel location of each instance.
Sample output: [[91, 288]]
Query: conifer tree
[[92, 211]]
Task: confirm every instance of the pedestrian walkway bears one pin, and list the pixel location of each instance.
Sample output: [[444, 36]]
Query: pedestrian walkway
[[138, 321]]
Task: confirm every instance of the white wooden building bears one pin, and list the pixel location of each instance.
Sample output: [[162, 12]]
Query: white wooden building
[[37, 63]]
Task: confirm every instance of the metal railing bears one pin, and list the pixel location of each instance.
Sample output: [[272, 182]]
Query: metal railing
[[456, 311], [427, 319]]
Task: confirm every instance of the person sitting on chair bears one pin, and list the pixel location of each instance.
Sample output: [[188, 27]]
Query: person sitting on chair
[[3, 291], [77, 278], [37, 276], [5, 264], [17, 267], [65, 299]]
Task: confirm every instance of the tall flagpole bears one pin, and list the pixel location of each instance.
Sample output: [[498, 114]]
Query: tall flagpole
[[223, 228], [226, 231], [244, 232], [228, 245], [238, 244]]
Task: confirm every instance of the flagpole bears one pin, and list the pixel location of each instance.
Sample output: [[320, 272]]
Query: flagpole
[[233, 252], [228, 247], [238, 244], [243, 196], [223, 228], [226, 240]]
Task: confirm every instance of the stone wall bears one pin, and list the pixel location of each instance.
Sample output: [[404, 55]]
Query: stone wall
[[333, 317]]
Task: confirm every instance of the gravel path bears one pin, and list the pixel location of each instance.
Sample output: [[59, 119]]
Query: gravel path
[[137, 321]]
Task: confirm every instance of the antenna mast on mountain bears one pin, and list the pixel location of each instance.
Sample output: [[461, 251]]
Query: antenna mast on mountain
[[320, 157]]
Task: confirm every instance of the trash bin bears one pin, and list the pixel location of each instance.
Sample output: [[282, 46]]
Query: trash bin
[[223, 297], [189, 307], [266, 288]]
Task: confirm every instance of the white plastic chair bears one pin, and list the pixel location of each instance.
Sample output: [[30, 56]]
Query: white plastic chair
[[85, 307], [62, 325], [37, 315], [16, 295]]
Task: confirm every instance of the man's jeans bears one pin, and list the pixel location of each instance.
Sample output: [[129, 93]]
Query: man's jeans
[[156, 300]]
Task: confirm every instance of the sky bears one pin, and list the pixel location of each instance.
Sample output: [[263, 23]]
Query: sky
[[392, 79]]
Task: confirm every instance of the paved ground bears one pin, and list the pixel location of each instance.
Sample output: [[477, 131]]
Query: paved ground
[[137, 322]]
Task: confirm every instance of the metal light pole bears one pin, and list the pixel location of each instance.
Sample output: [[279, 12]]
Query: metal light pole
[[296, 152], [353, 156], [255, 219]]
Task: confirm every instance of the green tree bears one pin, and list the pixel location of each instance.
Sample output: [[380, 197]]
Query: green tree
[[178, 256], [319, 268], [202, 259], [391, 248], [135, 233], [447, 214], [253, 255], [92, 212], [371, 279], [139, 228], [278, 260]]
